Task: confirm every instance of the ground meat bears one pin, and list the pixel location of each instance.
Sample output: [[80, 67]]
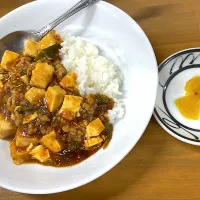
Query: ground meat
[[4, 77], [30, 68], [14, 99], [17, 117], [74, 131], [60, 71], [47, 60], [74, 136], [32, 129], [88, 107], [23, 64], [45, 129], [15, 89], [2, 70], [58, 39], [44, 117]]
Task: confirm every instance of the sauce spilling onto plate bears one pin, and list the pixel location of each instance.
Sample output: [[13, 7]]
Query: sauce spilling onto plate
[[189, 105]]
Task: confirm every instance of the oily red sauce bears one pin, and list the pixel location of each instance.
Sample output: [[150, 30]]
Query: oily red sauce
[[70, 133]]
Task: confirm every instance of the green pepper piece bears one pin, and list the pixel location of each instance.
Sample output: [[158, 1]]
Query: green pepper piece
[[74, 145], [107, 134], [101, 99], [24, 109], [40, 56], [49, 52]]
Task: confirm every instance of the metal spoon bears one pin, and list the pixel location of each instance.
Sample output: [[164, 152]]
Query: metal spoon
[[15, 41]]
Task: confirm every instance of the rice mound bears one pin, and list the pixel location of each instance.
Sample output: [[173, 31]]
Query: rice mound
[[96, 74]]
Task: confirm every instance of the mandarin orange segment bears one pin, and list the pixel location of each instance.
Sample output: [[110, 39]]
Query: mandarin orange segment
[[193, 86], [189, 106]]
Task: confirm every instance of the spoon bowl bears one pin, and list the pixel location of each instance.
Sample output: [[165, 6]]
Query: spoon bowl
[[15, 41]]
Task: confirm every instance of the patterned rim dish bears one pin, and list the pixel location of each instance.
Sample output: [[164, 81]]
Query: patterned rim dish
[[174, 72]]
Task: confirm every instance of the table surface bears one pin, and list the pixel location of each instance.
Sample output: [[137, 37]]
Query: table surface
[[160, 166]]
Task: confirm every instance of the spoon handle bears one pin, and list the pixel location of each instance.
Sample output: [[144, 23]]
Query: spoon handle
[[78, 7]]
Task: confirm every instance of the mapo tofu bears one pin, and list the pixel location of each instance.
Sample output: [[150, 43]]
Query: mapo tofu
[[43, 111]]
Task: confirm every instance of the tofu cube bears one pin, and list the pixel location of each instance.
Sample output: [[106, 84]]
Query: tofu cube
[[1, 89], [94, 128], [48, 40], [1, 84], [2, 117], [51, 142], [69, 81], [8, 58], [42, 75], [40, 153], [24, 140], [25, 79], [35, 95], [27, 119], [19, 156], [93, 142], [31, 48], [54, 97], [71, 105], [6, 128]]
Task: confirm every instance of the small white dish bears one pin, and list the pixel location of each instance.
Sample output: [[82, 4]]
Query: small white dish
[[120, 39], [174, 72]]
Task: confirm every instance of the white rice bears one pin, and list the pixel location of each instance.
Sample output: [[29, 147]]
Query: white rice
[[96, 74]]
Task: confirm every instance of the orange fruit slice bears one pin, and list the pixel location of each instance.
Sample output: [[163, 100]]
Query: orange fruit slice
[[189, 106], [193, 86]]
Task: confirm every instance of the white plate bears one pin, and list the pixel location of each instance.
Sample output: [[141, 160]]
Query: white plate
[[174, 72], [120, 39]]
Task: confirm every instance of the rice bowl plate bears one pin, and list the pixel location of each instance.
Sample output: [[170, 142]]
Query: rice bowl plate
[[114, 58]]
